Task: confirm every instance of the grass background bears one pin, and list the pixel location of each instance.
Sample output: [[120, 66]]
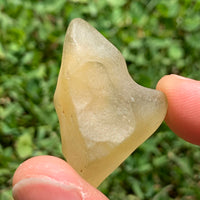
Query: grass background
[[156, 37]]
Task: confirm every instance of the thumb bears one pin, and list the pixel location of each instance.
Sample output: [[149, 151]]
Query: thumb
[[183, 115], [49, 178]]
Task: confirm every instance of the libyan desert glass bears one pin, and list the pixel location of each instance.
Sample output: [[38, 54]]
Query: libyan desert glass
[[104, 115]]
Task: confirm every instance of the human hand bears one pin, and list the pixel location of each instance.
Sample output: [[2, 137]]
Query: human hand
[[48, 177], [183, 114]]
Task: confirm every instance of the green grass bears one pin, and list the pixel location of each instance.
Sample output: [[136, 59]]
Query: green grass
[[156, 37]]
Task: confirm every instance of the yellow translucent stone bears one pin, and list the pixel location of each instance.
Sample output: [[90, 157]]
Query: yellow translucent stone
[[104, 115]]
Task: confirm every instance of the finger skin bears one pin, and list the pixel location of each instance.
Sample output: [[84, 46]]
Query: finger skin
[[183, 115], [48, 177]]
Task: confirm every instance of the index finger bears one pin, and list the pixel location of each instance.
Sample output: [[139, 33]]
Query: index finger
[[183, 115]]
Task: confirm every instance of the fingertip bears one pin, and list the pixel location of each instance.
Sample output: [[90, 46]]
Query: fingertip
[[162, 82], [183, 115], [48, 177], [45, 166], [44, 188]]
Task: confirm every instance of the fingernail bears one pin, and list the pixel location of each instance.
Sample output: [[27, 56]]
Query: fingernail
[[39, 188]]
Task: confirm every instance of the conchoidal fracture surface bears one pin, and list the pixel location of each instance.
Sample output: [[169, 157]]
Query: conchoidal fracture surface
[[104, 115]]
